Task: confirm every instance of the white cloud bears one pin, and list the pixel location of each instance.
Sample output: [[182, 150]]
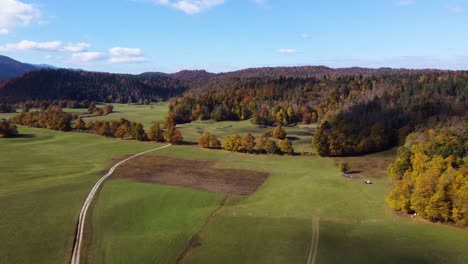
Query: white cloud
[[55, 45], [118, 51], [125, 55], [86, 57], [305, 35], [289, 51], [190, 7], [15, 13], [455, 9], [76, 47], [405, 2], [116, 60], [31, 45]]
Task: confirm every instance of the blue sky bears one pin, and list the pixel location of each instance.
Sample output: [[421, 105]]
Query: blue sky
[[135, 36]]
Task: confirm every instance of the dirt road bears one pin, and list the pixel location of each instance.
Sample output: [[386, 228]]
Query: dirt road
[[314, 241], [82, 218]]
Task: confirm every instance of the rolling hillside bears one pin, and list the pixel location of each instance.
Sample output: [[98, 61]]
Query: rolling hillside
[[10, 68]]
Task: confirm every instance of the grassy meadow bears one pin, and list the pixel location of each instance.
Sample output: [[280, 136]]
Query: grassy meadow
[[44, 178], [145, 114], [46, 175]]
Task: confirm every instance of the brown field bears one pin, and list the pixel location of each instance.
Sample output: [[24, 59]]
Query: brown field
[[200, 175]]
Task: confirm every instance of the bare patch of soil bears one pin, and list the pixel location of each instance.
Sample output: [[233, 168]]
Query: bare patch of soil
[[200, 175]]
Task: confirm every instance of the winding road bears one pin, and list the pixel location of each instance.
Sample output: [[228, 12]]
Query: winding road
[[82, 218]]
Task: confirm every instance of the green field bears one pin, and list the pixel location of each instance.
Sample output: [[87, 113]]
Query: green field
[[45, 176], [144, 223], [274, 225], [7, 115], [145, 114], [44, 179]]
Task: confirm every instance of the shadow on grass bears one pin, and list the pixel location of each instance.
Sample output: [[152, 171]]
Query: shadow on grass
[[24, 136], [188, 143]]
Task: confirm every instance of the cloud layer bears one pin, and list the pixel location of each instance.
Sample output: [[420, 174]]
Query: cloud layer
[[79, 51], [14, 14]]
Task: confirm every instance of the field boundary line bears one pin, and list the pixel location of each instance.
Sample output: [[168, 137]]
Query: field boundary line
[[75, 259], [314, 241], [195, 239]]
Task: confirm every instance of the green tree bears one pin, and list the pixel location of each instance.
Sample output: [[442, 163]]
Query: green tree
[[320, 142], [137, 132], [155, 133], [271, 147]]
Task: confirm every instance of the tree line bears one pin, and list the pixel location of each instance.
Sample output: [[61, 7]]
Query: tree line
[[430, 174], [54, 118], [265, 144]]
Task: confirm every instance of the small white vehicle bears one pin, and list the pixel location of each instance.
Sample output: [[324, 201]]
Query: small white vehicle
[[368, 182]]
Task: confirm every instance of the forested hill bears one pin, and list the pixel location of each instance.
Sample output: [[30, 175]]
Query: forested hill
[[10, 68], [358, 114], [94, 86], [201, 78], [51, 84]]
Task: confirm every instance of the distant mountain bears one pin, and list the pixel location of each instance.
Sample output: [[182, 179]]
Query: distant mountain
[[46, 82], [44, 66], [10, 68]]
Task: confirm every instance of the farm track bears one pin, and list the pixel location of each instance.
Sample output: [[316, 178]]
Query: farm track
[[314, 241], [75, 259]]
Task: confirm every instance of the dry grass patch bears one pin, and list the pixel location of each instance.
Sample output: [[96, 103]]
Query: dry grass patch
[[371, 166]]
